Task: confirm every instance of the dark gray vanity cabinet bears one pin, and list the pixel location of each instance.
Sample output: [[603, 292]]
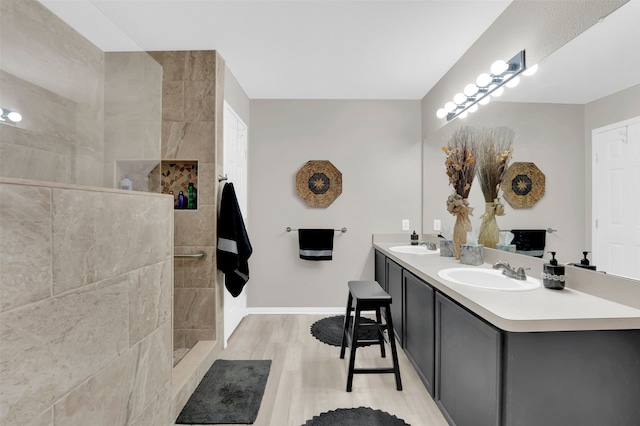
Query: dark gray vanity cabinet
[[394, 288], [419, 327], [468, 366], [381, 270]]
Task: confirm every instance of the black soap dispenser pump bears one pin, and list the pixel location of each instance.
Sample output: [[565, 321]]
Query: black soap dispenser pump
[[553, 274], [414, 239], [584, 263]]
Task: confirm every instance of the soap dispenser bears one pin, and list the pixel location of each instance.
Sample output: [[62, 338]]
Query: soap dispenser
[[414, 239], [584, 263], [553, 274]]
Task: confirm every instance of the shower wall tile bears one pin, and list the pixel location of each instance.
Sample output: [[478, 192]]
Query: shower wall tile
[[172, 100], [207, 183], [44, 419], [158, 410], [199, 273], [85, 173], [200, 65], [188, 141], [121, 391], [193, 308], [199, 101], [51, 346], [149, 300], [25, 245], [28, 163], [173, 64], [97, 235], [195, 227]]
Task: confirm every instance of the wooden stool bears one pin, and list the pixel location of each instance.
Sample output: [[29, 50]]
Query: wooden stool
[[368, 296]]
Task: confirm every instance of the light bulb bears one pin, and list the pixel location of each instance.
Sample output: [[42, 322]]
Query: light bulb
[[441, 113], [459, 98], [16, 117], [473, 108], [485, 100], [498, 92], [483, 80], [470, 89], [530, 71], [513, 82], [449, 106], [498, 67], [463, 114]]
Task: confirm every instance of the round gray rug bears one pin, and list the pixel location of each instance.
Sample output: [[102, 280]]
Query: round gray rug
[[329, 330], [361, 416]]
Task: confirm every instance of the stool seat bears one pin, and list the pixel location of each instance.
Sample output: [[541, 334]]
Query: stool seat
[[368, 296], [368, 291]]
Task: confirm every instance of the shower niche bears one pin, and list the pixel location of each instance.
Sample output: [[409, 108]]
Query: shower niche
[[180, 179]]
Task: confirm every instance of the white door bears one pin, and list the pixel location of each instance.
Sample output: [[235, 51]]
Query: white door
[[235, 167], [616, 198]]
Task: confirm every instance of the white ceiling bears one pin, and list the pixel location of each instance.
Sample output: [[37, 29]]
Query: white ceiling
[[304, 49]]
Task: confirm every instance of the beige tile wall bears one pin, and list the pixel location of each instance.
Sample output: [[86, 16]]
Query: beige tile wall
[[85, 312], [192, 101]]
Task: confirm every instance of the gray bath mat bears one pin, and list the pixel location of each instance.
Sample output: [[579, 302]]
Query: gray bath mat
[[329, 330], [361, 416], [230, 393]]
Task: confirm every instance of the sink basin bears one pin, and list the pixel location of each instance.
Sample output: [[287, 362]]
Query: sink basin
[[489, 279], [414, 250]]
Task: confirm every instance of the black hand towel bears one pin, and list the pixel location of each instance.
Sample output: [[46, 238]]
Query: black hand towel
[[316, 244], [234, 249]]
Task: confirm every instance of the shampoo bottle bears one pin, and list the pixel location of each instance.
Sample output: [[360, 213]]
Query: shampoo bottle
[[181, 200], [553, 274], [126, 183], [190, 204]]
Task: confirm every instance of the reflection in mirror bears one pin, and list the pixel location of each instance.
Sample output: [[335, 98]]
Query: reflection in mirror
[[590, 83]]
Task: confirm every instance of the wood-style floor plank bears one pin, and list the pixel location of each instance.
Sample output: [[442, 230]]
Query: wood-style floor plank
[[308, 377]]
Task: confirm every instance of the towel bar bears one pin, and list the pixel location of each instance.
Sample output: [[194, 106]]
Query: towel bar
[[343, 230], [201, 255]]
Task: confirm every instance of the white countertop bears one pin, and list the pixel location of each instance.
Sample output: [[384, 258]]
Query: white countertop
[[541, 309]]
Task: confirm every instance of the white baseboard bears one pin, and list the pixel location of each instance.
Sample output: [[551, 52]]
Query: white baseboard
[[297, 311]]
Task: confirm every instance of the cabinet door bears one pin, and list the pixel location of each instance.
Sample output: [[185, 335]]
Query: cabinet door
[[380, 270], [394, 283], [419, 327], [468, 366]]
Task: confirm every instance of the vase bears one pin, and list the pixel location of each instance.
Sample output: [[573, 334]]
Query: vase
[[489, 233], [460, 229]]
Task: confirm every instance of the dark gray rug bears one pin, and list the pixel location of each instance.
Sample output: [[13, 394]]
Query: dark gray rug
[[230, 393], [329, 330], [361, 416]]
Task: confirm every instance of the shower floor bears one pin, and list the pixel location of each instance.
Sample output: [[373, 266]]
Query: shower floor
[[178, 354]]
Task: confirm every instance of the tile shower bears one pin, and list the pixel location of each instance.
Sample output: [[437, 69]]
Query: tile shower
[[86, 292]]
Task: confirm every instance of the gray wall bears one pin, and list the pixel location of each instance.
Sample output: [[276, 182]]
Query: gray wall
[[375, 144], [236, 97]]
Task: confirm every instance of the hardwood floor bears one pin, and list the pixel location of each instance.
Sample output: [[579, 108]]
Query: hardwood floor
[[308, 377]]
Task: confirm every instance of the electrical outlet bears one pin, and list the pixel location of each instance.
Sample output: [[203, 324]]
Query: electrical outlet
[[405, 224], [437, 224]]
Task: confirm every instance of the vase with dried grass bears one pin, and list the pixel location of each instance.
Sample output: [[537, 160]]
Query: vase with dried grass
[[460, 167], [494, 152]]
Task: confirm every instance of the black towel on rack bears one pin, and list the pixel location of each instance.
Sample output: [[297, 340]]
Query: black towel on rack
[[316, 244], [530, 241], [234, 249]]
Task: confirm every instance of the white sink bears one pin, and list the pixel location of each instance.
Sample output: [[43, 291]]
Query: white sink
[[414, 250], [489, 279]]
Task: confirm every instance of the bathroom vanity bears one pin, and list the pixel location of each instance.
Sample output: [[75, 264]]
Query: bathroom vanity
[[506, 358]]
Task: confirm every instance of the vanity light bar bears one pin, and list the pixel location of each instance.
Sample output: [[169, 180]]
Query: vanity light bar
[[502, 73]]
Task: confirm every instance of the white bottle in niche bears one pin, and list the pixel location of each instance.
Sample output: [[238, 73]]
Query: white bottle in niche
[[126, 183]]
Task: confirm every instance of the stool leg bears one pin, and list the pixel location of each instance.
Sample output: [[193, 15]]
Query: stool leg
[[345, 327], [354, 347], [380, 330], [392, 343]]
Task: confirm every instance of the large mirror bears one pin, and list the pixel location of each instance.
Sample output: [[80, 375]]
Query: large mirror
[[593, 82]]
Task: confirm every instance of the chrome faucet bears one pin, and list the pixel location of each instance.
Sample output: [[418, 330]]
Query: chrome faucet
[[430, 245], [509, 271]]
